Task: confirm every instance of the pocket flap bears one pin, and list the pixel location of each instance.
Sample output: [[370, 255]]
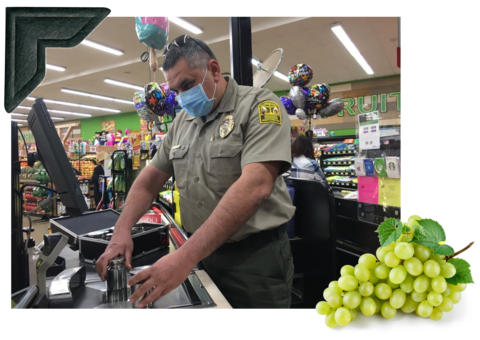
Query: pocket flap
[[220, 150], [178, 151]]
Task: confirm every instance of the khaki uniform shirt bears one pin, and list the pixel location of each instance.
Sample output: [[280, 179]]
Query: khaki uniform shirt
[[249, 125]]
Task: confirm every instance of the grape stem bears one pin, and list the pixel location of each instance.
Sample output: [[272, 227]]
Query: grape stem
[[459, 252]]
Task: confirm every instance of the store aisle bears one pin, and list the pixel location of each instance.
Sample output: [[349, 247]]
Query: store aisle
[[41, 228]]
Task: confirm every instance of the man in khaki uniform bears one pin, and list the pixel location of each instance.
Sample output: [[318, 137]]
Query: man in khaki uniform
[[227, 149]]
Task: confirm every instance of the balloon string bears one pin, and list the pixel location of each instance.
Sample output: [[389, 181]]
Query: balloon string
[[153, 60], [149, 75]]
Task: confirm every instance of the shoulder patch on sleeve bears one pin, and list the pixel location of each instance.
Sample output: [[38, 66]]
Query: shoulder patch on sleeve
[[269, 113]]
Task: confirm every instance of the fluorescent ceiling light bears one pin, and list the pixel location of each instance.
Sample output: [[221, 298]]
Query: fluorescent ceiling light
[[20, 124], [121, 83], [102, 47], [56, 68], [57, 118], [23, 107], [276, 74], [350, 46], [71, 113], [76, 105], [86, 94], [19, 120], [55, 111], [281, 76], [185, 24]]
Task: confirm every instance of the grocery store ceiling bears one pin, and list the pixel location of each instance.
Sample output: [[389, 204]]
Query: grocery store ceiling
[[304, 40]]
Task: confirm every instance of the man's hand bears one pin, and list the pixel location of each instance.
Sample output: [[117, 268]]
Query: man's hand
[[165, 275], [139, 199], [120, 244]]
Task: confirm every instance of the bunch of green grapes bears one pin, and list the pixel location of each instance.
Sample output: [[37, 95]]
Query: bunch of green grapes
[[402, 276]]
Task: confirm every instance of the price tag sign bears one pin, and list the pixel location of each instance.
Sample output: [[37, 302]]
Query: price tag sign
[[70, 148], [93, 149]]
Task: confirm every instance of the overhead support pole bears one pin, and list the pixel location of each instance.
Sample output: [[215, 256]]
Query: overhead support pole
[[241, 50]]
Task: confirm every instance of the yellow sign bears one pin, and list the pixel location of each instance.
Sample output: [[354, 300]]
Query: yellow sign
[[269, 113], [389, 192]]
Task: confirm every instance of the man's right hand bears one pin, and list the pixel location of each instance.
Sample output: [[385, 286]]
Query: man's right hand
[[120, 244]]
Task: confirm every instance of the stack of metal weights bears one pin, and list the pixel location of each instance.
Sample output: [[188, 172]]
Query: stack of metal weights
[[117, 289]]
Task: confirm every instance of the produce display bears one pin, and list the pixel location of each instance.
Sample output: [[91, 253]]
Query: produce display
[[413, 271], [119, 162], [32, 196], [84, 167], [120, 184]]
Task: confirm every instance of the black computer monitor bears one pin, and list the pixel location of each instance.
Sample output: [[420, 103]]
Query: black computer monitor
[[55, 160], [176, 110]]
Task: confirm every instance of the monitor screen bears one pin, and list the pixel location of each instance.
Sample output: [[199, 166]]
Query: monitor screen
[[176, 110], [55, 160]]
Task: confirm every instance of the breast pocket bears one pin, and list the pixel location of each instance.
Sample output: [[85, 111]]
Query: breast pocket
[[224, 166], [178, 156]]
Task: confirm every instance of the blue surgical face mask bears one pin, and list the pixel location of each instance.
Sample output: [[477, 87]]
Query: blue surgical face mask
[[195, 102]]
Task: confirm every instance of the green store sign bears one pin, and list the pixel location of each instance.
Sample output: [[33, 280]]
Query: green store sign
[[378, 102]]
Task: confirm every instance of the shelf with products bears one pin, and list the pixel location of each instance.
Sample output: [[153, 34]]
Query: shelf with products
[[168, 196], [30, 179], [336, 157], [166, 203], [345, 161], [32, 196], [121, 165], [343, 152], [86, 186], [338, 181], [169, 185], [345, 170]]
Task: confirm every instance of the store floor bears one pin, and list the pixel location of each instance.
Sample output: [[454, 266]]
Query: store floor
[[41, 228]]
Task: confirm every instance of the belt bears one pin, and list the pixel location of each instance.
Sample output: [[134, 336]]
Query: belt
[[257, 240]]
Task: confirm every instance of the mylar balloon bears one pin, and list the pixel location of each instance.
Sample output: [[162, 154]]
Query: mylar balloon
[[300, 114], [154, 99], [332, 108], [165, 89], [140, 106], [318, 96], [288, 105], [170, 102], [152, 31], [297, 96], [300, 75]]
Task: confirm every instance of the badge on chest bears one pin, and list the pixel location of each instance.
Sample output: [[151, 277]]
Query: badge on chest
[[227, 126]]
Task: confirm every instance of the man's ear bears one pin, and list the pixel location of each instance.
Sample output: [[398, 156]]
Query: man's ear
[[215, 69]]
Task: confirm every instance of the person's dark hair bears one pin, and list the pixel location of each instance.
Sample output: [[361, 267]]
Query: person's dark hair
[[302, 146], [194, 51]]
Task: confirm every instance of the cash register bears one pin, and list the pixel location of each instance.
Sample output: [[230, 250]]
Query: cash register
[[87, 235]]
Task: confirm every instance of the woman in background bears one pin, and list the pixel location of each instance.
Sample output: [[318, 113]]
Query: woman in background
[[303, 163], [97, 172]]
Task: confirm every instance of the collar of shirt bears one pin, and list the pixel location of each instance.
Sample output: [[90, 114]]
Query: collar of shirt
[[227, 103]]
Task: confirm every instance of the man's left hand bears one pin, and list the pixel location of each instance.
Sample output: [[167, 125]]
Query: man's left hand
[[165, 275]]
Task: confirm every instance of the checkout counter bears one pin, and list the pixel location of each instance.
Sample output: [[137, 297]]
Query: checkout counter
[[79, 286]]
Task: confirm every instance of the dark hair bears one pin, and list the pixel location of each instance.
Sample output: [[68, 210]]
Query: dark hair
[[194, 51], [302, 146]]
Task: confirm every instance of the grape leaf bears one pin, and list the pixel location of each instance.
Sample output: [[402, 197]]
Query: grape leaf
[[407, 229], [389, 231], [463, 274], [433, 234], [418, 231]]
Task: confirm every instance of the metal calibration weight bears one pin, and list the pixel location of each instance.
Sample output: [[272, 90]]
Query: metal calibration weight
[[137, 286], [116, 274]]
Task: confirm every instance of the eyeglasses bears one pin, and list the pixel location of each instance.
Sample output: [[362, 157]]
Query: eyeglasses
[[181, 41]]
